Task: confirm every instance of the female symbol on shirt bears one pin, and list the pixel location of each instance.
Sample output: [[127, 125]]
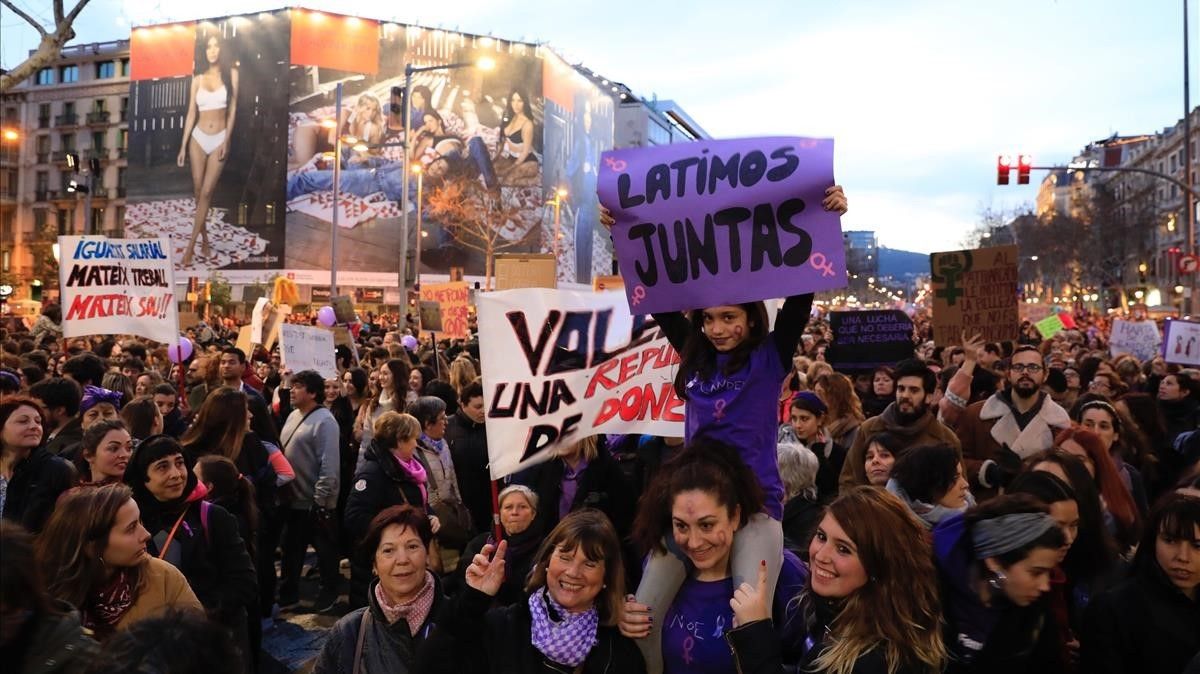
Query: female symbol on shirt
[[719, 410], [688, 644]]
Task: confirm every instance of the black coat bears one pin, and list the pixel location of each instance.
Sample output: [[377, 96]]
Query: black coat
[[1144, 624], [68, 438], [37, 482], [800, 519], [601, 486], [389, 649], [380, 484], [497, 641], [262, 422], [51, 643], [469, 451], [518, 561], [828, 468], [756, 650]]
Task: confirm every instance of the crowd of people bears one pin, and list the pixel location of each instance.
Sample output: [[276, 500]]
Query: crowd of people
[[1023, 506]]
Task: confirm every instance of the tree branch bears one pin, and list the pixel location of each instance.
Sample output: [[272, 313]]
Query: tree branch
[[74, 12], [41, 31], [58, 12]]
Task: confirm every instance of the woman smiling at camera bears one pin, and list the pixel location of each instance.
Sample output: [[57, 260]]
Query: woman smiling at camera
[[568, 622]]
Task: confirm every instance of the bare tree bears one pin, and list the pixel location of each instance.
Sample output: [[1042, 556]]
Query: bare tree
[[476, 217], [51, 44]]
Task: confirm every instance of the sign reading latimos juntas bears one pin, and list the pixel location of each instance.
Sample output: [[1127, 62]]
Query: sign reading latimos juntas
[[974, 291]]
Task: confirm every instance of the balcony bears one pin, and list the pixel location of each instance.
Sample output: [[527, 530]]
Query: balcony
[[60, 156], [98, 117], [71, 119], [43, 195]]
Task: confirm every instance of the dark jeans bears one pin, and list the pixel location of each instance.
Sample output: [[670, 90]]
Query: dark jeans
[[300, 529]]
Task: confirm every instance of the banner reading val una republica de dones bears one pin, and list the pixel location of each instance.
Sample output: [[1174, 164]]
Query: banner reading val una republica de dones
[[118, 287], [723, 222], [561, 365]]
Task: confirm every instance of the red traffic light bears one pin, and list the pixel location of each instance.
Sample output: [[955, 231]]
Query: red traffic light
[[1024, 163], [1003, 166]]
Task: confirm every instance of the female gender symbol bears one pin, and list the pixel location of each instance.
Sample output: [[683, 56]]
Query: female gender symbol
[[822, 265], [639, 294], [719, 410]]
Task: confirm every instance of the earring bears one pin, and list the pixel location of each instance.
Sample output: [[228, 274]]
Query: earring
[[604, 586], [997, 581]]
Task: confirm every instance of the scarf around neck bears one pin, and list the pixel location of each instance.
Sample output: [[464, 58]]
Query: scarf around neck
[[416, 472], [564, 638], [108, 605], [415, 611]]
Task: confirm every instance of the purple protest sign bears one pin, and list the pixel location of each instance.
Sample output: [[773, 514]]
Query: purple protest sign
[[722, 222]]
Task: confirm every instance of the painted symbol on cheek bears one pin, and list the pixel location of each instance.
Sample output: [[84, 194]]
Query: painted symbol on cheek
[[639, 294], [719, 410], [688, 644], [821, 264], [615, 164]]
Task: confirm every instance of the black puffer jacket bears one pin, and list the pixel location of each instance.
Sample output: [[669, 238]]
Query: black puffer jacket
[[392, 649], [50, 644], [36, 484], [469, 450]]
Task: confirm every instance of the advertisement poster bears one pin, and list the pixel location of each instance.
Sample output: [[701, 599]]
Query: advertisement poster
[[974, 291], [561, 365], [206, 140]]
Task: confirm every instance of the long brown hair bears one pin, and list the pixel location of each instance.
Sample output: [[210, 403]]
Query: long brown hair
[[591, 531], [839, 397], [220, 425], [699, 356], [71, 547], [899, 609]]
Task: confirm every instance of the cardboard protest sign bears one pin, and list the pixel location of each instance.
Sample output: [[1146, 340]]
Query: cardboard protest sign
[[974, 291], [517, 270], [258, 319], [244, 341], [561, 365], [118, 286], [188, 319], [607, 283], [722, 222], [1050, 326], [865, 340], [454, 298], [306, 347], [430, 313], [1137, 338], [1181, 342], [343, 308]]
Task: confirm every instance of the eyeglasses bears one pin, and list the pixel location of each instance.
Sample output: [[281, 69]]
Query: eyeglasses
[[1032, 368]]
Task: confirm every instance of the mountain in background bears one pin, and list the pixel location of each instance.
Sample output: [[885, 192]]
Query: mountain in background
[[902, 264]]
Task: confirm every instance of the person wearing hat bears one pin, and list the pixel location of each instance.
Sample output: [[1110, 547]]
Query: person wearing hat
[[807, 419]]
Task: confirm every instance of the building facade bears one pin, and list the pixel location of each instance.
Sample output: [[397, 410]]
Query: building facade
[[77, 106]]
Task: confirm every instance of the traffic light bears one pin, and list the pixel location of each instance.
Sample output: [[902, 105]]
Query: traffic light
[[1024, 163], [1003, 166]]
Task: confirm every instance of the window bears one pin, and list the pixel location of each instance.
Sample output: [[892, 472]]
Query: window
[[105, 70], [68, 74], [39, 219], [124, 68], [124, 108], [99, 143], [100, 105], [66, 177], [121, 177], [43, 146], [68, 142], [43, 181], [45, 76], [69, 108], [8, 182], [123, 139], [43, 115]]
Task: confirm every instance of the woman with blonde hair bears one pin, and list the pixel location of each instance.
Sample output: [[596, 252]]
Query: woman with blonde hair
[[462, 373], [93, 551], [844, 410], [871, 603]]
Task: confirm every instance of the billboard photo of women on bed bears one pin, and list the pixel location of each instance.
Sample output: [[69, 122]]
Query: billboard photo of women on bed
[[207, 143]]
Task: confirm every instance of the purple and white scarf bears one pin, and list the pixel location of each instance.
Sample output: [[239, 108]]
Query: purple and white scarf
[[564, 638]]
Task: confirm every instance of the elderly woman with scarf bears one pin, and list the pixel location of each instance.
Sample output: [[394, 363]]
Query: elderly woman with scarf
[[198, 538], [97, 404], [522, 531], [397, 630]]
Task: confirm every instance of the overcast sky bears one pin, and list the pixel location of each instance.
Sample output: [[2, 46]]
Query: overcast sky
[[920, 95]]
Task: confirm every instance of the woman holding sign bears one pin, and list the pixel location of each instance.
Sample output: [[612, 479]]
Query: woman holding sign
[[731, 371]]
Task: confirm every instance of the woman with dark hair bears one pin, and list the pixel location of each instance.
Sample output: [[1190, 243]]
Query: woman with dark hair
[[1179, 400], [517, 133], [1115, 496], [883, 451], [444, 498], [94, 555], [871, 603], [104, 453], [222, 427], [568, 621], [231, 490], [1149, 622], [808, 417], [1149, 434], [393, 377], [693, 508], [34, 628], [932, 482], [142, 417], [1102, 418], [207, 131], [394, 632], [199, 538], [883, 391], [994, 563], [418, 379], [32, 477]]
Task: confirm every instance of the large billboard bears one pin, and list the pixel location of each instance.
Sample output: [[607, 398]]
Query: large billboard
[[206, 140], [242, 181]]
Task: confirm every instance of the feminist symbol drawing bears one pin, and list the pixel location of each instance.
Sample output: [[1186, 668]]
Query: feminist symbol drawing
[[617, 165], [719, 410], [949, 268], [639, 294], [821, 264]]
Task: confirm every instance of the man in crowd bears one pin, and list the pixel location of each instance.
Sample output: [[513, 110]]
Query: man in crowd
[[197, 382], [1011, 425], [167, 401], [85, 369], [910, 418], [468, 448], [232, 370], [61, 396]]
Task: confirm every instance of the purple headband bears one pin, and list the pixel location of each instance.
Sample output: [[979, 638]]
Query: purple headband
[[807, 400], [94, 395], [11, 378]]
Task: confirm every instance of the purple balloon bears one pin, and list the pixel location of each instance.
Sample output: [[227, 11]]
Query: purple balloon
[[326, 316], [181, 352], [409, 342]]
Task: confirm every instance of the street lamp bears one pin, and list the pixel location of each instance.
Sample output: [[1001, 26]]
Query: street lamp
[[559, 195], [420, 174], [484, 63]]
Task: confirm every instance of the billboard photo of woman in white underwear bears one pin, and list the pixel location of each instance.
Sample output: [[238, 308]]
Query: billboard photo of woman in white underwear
[[207, 133]]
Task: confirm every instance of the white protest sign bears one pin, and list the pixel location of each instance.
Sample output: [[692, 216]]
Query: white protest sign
[[257, 319], [118, 287], [1137, 338], [1181, 342], [304, 347], [561, 365]]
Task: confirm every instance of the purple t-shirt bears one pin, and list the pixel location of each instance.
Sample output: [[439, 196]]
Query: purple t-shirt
[[694, 633], [740, 409]]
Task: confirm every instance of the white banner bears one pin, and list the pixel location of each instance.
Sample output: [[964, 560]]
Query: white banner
[[305, 347], [1181, 343], [561, 365], [1139, 338], [118, 287]]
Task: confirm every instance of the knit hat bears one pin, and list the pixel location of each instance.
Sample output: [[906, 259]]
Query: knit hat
[[810, 402]]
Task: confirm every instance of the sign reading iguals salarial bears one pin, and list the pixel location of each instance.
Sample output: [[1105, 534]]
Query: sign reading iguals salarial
[[865, 340], [118, 287], [722, 222], [560, 365]]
